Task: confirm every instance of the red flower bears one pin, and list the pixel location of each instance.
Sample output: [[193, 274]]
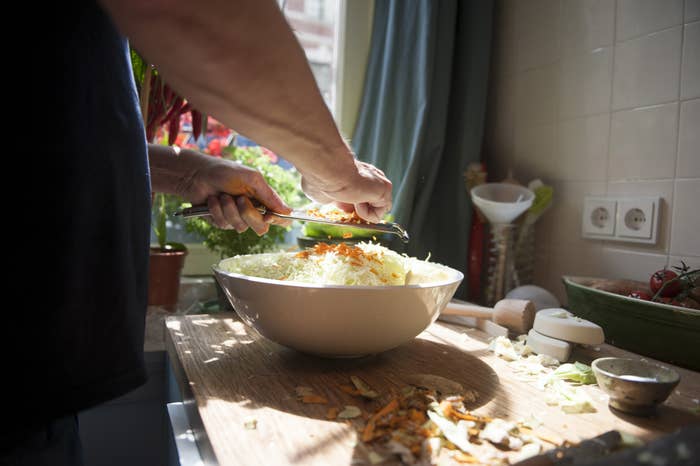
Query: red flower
[[214, 147], [270, 155], [180, 139]]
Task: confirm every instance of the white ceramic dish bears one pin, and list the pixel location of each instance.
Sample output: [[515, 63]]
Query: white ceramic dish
[[334, 320]]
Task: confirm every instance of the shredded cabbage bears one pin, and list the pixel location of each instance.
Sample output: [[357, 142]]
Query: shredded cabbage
[[364, 264], [577, 372]]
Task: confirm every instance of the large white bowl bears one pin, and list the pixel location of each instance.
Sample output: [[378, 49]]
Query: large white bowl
[[337, 321]]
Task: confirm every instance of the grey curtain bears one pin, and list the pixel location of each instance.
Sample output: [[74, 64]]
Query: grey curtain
[[422, 115]]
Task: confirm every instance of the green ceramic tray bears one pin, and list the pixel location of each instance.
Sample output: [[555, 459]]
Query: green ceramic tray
[[660, 331]]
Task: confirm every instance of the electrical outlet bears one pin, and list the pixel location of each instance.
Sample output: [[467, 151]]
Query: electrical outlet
[[637, 220], [598, 219]]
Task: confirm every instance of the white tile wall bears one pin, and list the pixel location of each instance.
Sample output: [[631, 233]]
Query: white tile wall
[[537, 96], [637, 17], [685, 231], [586, 25], [500, 124], [616, 263], [647, 69], [582, 150], [690, 75], [581, 261], [692, 10], [688, 165], [585, 83], [537, 33], [643, 142], [534, 150], [601, 97]]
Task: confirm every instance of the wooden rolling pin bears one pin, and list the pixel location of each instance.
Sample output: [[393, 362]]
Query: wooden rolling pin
[[517, 315]]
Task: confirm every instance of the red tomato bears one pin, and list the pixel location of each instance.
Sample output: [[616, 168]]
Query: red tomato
[[660, 277], [640, 295]]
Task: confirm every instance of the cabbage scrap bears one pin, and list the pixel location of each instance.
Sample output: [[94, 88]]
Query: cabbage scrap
[[538, 368], [576, 372], [571, 399]]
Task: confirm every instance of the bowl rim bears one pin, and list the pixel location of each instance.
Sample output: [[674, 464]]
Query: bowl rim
[[571, 280], [676, 377], [456, 278]]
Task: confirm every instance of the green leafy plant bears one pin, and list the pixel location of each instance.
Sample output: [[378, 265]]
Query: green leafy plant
[[164, 205], [286, 182]]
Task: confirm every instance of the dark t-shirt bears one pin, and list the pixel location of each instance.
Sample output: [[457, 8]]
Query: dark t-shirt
[[82, 337]]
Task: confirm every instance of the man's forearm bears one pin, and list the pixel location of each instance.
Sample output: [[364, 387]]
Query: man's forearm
[[226, 67], [169, 171]]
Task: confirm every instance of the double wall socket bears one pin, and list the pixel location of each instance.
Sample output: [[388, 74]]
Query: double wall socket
[[621, 219]]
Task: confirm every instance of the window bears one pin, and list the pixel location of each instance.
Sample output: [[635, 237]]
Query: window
[[314, 22]]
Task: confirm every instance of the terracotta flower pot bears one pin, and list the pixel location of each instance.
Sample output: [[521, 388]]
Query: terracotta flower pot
[[164, 277]]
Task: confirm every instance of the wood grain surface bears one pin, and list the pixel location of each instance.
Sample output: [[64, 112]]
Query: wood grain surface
[[235, 376]]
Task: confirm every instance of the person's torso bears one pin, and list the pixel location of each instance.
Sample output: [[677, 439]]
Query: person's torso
[[91, 200]]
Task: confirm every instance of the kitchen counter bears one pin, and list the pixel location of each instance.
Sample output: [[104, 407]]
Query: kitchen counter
[[239, 392], [194, 293]]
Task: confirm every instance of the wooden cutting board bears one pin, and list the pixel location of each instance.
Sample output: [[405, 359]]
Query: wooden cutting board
[[232, 378]]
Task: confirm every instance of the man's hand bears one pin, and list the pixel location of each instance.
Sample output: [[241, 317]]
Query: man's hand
[[365, 189], [226, 187]]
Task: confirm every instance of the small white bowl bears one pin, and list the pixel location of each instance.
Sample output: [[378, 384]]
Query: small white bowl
[[635, 386], [334, 320]]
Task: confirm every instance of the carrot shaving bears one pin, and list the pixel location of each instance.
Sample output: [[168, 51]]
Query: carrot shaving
[[391, 406], [367, 434], [416, 416], [469, 417], [343, 249], [337, 215], [464, 458], [404, 419], [314, 399], [349, 390]]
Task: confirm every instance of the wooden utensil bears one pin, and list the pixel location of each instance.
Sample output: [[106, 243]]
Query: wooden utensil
[[517, 315]]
